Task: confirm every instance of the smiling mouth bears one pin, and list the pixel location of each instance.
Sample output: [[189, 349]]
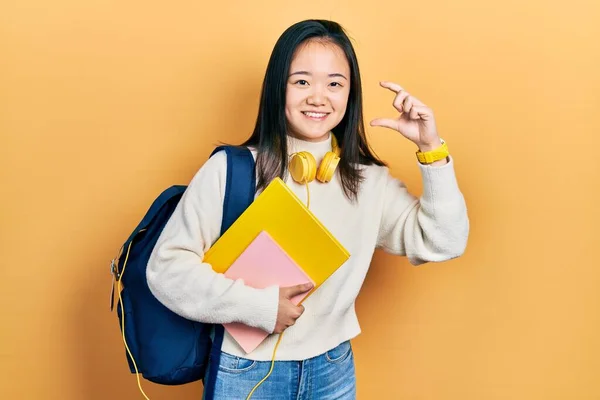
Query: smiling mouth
[[315, 115]]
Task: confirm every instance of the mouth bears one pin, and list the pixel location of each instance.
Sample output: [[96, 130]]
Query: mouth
[[315, 116]]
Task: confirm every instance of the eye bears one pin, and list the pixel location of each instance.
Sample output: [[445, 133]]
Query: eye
[[301, 82], [336, 84]]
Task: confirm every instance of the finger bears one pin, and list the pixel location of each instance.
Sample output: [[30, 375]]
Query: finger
[[298, 289], [417, 102], [408, 104], [421, 112], [399, 101], [385, 122], [414, 113], [394, 87]]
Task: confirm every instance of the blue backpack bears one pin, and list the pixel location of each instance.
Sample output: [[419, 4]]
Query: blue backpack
[[167, 348]]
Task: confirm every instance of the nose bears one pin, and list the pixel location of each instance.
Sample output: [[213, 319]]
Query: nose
[[316, 98]]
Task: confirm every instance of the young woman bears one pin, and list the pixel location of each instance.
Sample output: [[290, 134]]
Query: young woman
[[311, 98]]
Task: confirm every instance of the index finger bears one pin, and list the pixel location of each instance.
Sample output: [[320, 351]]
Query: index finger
[[394, 87]]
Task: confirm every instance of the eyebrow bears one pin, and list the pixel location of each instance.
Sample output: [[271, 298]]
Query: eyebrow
[[334, 75]]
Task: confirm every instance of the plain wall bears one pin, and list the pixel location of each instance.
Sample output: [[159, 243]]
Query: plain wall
[[104, 104]]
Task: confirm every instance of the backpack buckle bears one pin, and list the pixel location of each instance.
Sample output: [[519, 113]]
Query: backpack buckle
[[114, 269], [116, 277]]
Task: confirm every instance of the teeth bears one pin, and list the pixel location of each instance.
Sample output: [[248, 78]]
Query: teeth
[[315, 115]]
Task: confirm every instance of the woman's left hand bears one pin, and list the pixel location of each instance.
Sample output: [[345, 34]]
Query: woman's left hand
[[416, 121]]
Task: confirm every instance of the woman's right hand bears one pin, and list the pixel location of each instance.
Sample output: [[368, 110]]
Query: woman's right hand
[[288, 312]]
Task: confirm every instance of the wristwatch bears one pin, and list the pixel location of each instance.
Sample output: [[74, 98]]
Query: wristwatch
[[428, 157]]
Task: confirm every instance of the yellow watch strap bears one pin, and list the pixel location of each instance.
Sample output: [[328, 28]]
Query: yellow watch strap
[[428, 157]]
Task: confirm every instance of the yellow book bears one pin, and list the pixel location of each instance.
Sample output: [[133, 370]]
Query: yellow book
[[278, 211]]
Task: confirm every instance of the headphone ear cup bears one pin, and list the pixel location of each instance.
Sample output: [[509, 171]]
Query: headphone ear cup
[[328, 167], [303, 167]]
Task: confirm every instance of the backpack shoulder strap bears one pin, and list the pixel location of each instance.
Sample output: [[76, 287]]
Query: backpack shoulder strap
[[174, 191], [240, 186], [240, 189]]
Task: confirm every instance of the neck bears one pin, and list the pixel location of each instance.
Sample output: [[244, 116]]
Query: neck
[[322, 138], [316, 148]]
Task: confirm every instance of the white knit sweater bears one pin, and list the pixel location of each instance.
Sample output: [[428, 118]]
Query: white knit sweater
[[432, 228]]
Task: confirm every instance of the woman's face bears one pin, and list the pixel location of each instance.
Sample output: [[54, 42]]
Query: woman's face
[[317, 90]]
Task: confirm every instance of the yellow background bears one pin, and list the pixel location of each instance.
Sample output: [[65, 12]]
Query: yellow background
[[105, 103]]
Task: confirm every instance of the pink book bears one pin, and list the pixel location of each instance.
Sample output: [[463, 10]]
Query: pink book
[[263, 263]]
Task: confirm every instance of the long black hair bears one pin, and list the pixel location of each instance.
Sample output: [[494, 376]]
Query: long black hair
[[271, 130]]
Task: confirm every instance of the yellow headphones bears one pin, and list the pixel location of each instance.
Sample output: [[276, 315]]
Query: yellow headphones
[[303, 166]]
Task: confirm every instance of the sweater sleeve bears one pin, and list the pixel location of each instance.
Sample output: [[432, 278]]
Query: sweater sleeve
[[177, 275], [432, 228]]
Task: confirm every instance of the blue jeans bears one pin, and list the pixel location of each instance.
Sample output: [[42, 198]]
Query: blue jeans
[[330, 376]]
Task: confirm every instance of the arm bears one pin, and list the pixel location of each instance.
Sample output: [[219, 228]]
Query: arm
[[186, 285], [432, 228]]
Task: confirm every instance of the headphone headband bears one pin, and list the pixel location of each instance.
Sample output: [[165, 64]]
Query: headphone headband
[[334, 145]]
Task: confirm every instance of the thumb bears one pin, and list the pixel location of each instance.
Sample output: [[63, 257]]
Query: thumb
[[292, 291], [385, 122]]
